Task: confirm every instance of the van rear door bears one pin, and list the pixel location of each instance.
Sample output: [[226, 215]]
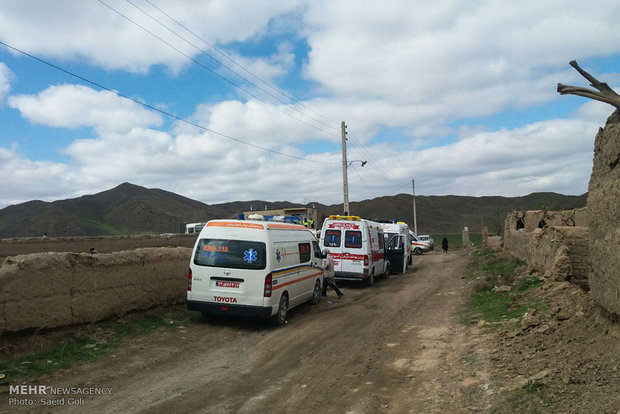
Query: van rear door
[[229, 271], [332, 240], [354, 253]]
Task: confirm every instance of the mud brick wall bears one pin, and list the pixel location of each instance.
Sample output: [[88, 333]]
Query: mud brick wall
[[561, 249], [56, 289], [560, 218], [604, 218], [103, 244], [562, 253]]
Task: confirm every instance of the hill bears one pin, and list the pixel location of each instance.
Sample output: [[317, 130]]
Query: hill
[[131, 209]]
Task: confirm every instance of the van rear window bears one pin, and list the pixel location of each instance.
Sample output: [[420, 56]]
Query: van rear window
[[234, 254], [353, 239], [332, 238], [394, 241]]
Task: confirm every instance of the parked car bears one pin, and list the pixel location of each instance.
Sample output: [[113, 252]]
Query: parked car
[[417, 245], [425, 238]]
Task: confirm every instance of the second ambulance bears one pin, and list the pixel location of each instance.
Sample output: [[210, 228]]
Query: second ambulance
[[357, 247]]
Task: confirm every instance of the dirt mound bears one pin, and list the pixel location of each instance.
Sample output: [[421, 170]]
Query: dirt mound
[[565, 357]]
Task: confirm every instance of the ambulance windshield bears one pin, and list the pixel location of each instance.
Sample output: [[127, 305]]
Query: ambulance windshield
[[233, 254]]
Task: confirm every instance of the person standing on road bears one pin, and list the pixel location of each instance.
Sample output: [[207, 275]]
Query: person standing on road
[[328, 274], [444, 244]]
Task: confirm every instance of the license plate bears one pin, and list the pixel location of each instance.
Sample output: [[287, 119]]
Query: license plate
[[226, 284]]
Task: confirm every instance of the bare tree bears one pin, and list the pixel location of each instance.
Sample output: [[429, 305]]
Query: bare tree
[[605, 94], [495, 223]]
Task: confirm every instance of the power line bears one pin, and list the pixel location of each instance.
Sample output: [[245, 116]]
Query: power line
[[367, 154], [209, 69], [234, 62], [364, 182], [178, 118], [228, 67]]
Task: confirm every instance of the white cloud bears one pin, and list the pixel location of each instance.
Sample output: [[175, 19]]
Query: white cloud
[[413, 67], [74, 106], [25, 180], [456, 59], [259, 123], [5, 81], [67, 29], [261, 70], [553, 155]]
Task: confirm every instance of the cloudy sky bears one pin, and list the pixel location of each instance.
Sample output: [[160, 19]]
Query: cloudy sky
[[236, 100]]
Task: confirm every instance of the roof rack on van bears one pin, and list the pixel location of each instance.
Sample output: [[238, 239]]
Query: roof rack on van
[[352, 218]]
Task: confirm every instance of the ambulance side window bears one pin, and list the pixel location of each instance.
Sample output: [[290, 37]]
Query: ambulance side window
[[332, 238], [304, 252], [317, 250]]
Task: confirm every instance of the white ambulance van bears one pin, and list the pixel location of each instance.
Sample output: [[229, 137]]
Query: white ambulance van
[[254, 268], [356, 245], [417, 245], [397, 245]]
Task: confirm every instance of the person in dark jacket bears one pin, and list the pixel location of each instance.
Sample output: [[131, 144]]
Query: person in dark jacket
[[444, 244]]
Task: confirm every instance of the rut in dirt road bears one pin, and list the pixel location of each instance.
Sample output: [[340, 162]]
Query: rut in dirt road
[[388, 348]]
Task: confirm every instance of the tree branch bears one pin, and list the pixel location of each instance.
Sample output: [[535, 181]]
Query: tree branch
[[606, 94]]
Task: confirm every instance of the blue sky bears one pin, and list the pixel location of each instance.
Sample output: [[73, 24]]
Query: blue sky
[[458, 95]]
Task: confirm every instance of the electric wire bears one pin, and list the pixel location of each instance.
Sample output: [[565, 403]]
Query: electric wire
[[202, 51], [209, 69], [222, 53], [373, 162], [178, 118], [364, 182], [362, 149]]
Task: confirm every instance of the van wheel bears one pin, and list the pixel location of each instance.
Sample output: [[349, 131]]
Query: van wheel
[[410, 261], [371, 279], [280, 317], [386, 274], [417, 251], [316, 293]]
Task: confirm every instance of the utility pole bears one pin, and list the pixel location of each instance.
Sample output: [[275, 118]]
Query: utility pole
[[345, 181], [415, 219]]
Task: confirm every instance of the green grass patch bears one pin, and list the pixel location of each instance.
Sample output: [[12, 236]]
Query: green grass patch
[[96, 224], [83, 347], [455, 241], [487, 269], [493, 306], [529, 283], [530, 399]]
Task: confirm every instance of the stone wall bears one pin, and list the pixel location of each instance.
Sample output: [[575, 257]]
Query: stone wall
[[56, 289], [103, 244], [548, 245], [604, 221]]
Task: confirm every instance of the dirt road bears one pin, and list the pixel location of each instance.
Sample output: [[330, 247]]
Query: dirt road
[[395, 347]]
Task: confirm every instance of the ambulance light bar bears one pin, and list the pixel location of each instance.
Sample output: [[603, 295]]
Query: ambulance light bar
[[352, 218]]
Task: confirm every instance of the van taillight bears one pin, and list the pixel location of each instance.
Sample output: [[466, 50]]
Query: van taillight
[[268, 285], [365, 260], [189, 280]]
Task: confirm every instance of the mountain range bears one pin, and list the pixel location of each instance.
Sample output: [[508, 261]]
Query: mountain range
[[132, 209]]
